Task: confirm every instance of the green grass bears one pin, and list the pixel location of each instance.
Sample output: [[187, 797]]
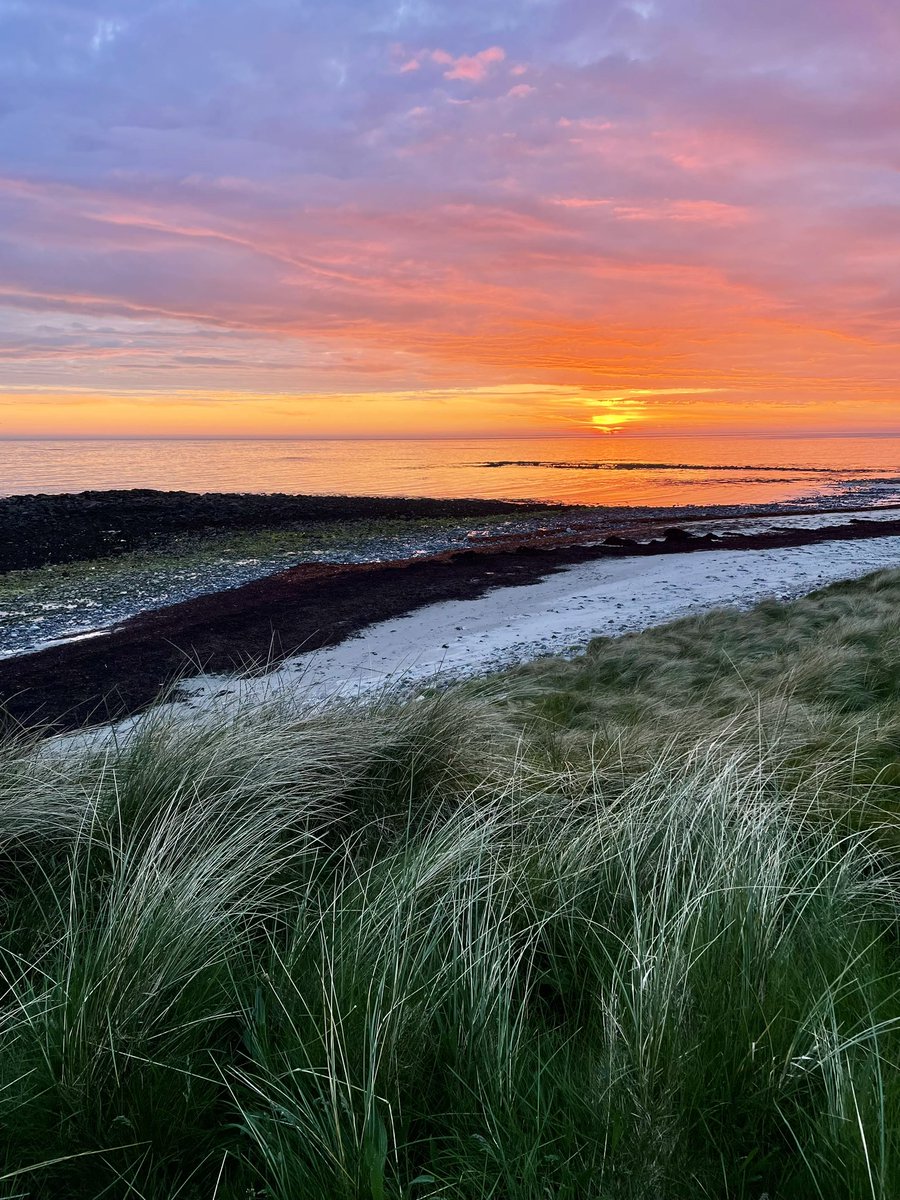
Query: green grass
[[622, 928]]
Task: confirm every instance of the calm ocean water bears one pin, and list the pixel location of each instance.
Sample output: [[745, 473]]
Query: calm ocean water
[[610, 470]]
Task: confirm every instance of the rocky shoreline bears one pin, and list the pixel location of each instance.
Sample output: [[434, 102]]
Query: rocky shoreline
[[40, 530]]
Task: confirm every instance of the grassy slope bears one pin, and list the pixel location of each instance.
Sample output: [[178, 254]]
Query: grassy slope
[[624, 927], [820, 677]]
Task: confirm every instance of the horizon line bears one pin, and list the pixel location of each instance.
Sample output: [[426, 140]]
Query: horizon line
[[461, 437]]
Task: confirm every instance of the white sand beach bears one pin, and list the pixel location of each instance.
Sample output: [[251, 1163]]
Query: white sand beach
[[557, 615]]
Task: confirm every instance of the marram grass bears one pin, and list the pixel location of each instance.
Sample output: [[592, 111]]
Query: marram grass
[[619, 929]]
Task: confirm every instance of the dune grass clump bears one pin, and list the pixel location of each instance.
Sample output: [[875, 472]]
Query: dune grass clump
[[640, 944]]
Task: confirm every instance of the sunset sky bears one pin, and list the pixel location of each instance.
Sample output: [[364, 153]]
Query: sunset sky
[[356, 217]]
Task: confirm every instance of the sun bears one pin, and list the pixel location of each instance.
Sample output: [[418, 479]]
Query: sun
[[608, 423], [617, 412]]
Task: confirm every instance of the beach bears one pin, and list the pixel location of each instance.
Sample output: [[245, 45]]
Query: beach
[[558, 615], [331, 596]]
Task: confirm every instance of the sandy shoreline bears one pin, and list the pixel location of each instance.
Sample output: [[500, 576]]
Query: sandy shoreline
[[556, 615]]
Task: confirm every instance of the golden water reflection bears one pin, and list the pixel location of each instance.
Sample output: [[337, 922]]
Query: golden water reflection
[[605, 470]]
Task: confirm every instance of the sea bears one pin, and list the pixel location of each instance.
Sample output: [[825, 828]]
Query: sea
[[605, 470]]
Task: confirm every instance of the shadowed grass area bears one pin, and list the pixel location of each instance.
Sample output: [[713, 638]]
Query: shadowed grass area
[[621, 928]]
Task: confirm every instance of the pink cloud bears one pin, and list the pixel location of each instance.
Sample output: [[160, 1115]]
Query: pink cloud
[[580, 202], [472, 67], [706, 212]]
